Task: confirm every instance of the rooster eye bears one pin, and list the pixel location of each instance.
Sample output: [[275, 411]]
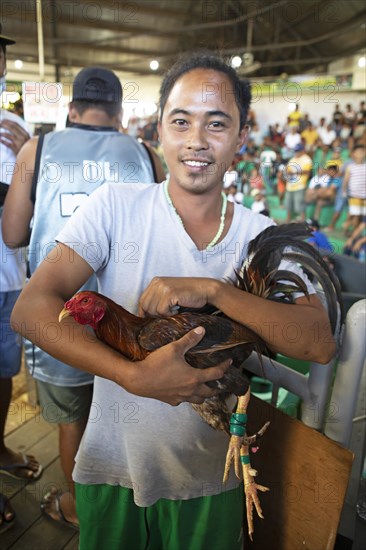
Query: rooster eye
[[85, 300]]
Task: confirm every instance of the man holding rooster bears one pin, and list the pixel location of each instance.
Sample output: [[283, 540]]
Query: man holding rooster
[[149, 475]]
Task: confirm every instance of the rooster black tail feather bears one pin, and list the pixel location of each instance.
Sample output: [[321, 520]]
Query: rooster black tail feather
[[328, 282], [261, 275]]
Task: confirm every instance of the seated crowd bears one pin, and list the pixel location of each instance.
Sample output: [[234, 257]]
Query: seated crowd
[[304, 165]]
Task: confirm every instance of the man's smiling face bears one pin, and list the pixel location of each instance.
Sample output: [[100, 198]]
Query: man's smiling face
[[199, 129]]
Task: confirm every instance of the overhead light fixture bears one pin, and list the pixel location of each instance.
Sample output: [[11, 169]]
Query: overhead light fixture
[[236, 61], [18, 63], [362, 62], [154, 65]]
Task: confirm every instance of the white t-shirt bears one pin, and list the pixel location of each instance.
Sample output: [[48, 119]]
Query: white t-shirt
[[327, 136], [12, 262], [291, 140], [258, 206], [267, 158], [129, 234], [230, 178], [319, 180]]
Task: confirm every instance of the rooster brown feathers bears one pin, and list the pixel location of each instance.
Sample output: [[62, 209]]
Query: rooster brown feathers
[[136, 337]]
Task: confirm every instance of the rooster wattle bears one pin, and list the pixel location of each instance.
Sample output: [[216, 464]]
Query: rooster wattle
[[136, 337]]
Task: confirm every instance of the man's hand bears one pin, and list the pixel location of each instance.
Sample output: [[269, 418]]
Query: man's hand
[[14, 137], [165, 375], [164, 295]]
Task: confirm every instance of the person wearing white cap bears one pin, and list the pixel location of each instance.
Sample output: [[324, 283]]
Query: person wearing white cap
[[259, 205]]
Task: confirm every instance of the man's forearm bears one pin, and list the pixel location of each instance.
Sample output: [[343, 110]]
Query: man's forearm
[[300, 330]]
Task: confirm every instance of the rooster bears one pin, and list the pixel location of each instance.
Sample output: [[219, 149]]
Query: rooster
[[136, 337]]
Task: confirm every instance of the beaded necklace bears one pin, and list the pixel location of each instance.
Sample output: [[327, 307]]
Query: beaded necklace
[[222, 218]]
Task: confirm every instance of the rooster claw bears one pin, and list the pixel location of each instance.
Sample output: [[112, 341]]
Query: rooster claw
[[252, 500], [233, 455]]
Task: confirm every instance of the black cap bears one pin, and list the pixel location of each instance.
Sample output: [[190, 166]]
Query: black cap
[[97, 84], [5, 39], [313, 223]]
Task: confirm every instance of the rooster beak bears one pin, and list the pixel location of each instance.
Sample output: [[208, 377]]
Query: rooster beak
[[64, 313]]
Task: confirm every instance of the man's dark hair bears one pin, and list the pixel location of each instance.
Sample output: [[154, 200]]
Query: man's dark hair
[[3, 47], [111, 109], [189, 62], [358, 146]]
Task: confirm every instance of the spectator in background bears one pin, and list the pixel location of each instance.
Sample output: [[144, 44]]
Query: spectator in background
[[345, 135], [259, 205], [149, 132], [341, 200], [322, 123], [354, 184], [13, 135], [233, 195], [292, 138], [304, 123], [324, 191], [349, 115], [361, 114], [133, 128], [267, 159], [280, 178], [321, 155], [231, 176], [327, 134], [255, 179], [337, 119], [320, 179], [294, 118], [256, 136], [338, 156], [310, 137], [356, 244], [340, 203], [276, 133], [298, 171], [360, 128], [244, 168], [318, 239], [321, 126]]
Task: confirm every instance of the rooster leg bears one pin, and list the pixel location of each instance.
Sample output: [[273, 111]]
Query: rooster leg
[[250, 489], [239, 452], [237, 430]]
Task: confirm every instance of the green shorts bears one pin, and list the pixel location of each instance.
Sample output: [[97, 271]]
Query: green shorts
[[295, 201], [109, 518], [64, 404]]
